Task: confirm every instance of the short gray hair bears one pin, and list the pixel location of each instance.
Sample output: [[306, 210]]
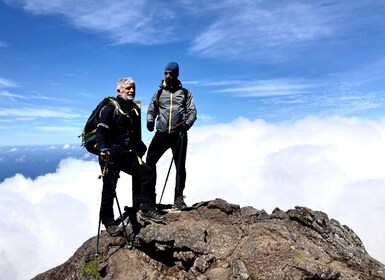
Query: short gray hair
[[123, 81]]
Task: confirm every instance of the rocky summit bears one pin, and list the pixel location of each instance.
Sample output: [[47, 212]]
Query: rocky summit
[[219, 240]]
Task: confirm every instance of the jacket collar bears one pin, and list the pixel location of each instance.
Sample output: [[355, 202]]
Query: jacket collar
[[174, 86]]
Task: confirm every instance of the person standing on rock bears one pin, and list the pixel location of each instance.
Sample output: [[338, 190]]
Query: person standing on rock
[[173, 109], [121, 149]]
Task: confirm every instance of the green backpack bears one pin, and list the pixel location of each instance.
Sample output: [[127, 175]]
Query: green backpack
[[89, 132]]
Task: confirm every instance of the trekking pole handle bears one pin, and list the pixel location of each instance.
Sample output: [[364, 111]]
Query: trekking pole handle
[[182, 123]]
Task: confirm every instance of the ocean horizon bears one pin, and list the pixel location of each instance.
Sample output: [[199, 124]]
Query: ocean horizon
[[33, 161]]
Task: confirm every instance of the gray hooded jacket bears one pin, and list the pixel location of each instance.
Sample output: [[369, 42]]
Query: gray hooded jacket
[[171, 108]]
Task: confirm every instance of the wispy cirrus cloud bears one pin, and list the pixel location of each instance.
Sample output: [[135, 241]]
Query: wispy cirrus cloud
[[58, 129], [6, 83], [134, 21], [39, 112], [11, 95], [272, 30], [228, 29], [261, 88], [253, 28], [299, 97], [15, 97]]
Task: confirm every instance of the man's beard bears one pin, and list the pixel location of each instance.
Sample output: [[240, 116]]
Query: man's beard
[[128, 97]]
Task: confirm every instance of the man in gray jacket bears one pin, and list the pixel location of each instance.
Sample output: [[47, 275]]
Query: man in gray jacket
[[173, 108]]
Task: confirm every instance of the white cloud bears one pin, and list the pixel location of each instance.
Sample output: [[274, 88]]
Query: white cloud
[[142, 19], [9, 95], [58, 129], [333, 165], [232, 29], [27, 96], [135, 21], [6, 83], [47, 219], [279, 30], [21, 159], [274, 87], [260, 27], [41, 112]]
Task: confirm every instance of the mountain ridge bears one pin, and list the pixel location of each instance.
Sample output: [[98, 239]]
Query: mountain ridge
[[219, 240]]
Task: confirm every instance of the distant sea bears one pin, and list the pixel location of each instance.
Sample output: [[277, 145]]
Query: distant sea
[[34, 161]]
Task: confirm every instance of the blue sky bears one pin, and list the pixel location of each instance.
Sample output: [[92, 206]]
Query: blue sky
[[290, 100], [275, 61]]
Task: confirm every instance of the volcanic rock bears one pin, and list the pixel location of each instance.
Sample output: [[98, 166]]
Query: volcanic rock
[[219, 240]]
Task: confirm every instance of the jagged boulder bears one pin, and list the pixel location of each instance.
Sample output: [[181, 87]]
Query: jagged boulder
[[219, 240]]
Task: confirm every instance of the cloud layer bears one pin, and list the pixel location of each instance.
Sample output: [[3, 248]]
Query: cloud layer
[[333, 165]]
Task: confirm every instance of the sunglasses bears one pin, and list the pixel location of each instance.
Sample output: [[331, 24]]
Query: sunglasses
[[168, 73]]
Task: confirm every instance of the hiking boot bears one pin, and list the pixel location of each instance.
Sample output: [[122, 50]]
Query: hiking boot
[[113, 230], [151, 215], [179, 203]]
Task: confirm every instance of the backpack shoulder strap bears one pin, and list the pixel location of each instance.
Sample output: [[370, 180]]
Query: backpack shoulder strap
[[118, 110], [185, 96], [158, 94], [185, 91], [136, 109]]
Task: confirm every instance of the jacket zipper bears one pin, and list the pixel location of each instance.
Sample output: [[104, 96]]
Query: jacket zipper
[[170, 117]]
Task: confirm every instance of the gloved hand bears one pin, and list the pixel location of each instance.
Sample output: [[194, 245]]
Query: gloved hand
[[182, 126], [150, 126], [141, 149], [105, 155]]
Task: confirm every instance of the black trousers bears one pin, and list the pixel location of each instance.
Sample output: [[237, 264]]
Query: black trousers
[[128, 162], [177, 141]]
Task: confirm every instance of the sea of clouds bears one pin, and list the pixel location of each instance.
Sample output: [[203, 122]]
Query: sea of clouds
[[334, 165]]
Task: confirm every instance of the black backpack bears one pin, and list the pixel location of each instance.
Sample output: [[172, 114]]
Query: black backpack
[[89, 132]]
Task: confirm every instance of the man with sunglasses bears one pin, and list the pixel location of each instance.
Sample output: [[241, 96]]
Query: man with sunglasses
[[173, 109]]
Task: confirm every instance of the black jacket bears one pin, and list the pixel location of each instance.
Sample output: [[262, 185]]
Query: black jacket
[[120, 127]]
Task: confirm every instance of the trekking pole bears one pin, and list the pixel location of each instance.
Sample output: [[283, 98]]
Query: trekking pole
[[169, 168], [104, 171], [120, 212], [129, 246], [97, 253], [165, 183], [97, 239]]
